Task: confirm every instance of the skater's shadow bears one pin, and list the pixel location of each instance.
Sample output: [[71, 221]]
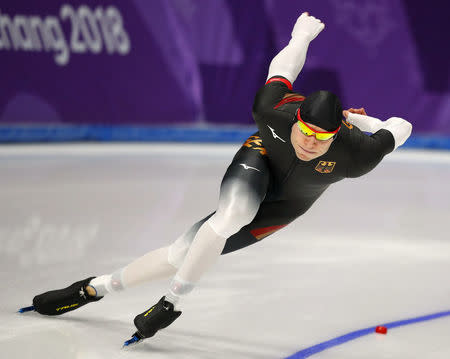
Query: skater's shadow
[[177, 342], [171, 341]]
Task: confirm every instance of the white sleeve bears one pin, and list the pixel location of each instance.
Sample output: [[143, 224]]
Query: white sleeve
[[289, 61], [400, 128]]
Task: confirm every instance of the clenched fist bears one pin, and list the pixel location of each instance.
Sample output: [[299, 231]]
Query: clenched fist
[[307, 25], [359, 111]]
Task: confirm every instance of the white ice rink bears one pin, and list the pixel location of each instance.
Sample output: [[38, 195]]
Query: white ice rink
[[371, 250]]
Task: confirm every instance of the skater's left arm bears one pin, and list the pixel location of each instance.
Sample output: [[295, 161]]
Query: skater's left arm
[[289, 61], [287, 64], [386, 136]]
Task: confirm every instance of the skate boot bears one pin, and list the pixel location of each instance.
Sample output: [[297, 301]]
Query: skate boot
[[160, 316], [61, 301]]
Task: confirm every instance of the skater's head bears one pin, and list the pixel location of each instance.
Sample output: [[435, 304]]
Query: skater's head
[[322, 109], [317, 122]]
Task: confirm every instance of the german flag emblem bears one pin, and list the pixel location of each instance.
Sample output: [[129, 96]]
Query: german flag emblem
[[325, 166]]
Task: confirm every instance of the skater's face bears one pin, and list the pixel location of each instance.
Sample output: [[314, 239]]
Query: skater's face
[[306, 147]]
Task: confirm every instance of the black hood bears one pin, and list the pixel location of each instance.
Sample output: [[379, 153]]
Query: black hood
[[323, 109]]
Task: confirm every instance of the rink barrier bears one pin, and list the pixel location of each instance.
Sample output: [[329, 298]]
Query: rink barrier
[[306, 353], [100, 133]]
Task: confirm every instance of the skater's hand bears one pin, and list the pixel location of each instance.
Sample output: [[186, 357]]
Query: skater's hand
[[307, 26], [359, 111]]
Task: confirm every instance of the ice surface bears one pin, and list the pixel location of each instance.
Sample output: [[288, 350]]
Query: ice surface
[[372, 250]]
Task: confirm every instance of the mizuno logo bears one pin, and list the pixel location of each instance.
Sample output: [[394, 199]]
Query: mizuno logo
[[274, 134], [249, 167], [82, 294]]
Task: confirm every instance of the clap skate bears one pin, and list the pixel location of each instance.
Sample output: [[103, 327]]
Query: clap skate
[[158, 317], [60, 301]]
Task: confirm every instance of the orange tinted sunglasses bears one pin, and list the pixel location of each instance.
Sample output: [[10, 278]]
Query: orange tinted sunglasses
[[308, 131]]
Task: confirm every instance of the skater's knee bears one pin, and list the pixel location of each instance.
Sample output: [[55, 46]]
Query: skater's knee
[[179, 248], [230, 219]]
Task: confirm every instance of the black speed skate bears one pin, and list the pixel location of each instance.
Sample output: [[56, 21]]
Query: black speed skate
[[57, 302], [158, 317]]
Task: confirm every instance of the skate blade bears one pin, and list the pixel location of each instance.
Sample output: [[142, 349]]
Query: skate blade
[[131, 342], [26, 309]]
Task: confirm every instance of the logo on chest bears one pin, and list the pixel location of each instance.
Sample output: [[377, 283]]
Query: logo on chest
[[325, 166]]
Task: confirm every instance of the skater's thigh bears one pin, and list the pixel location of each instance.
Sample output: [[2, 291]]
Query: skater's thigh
[[243, 188], [248, 173]]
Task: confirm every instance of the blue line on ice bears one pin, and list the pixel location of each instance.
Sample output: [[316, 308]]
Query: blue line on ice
[[305, 353]]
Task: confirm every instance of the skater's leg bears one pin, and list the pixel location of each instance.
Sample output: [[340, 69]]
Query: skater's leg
[[151, 266], [242, 190], [157, 264]]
